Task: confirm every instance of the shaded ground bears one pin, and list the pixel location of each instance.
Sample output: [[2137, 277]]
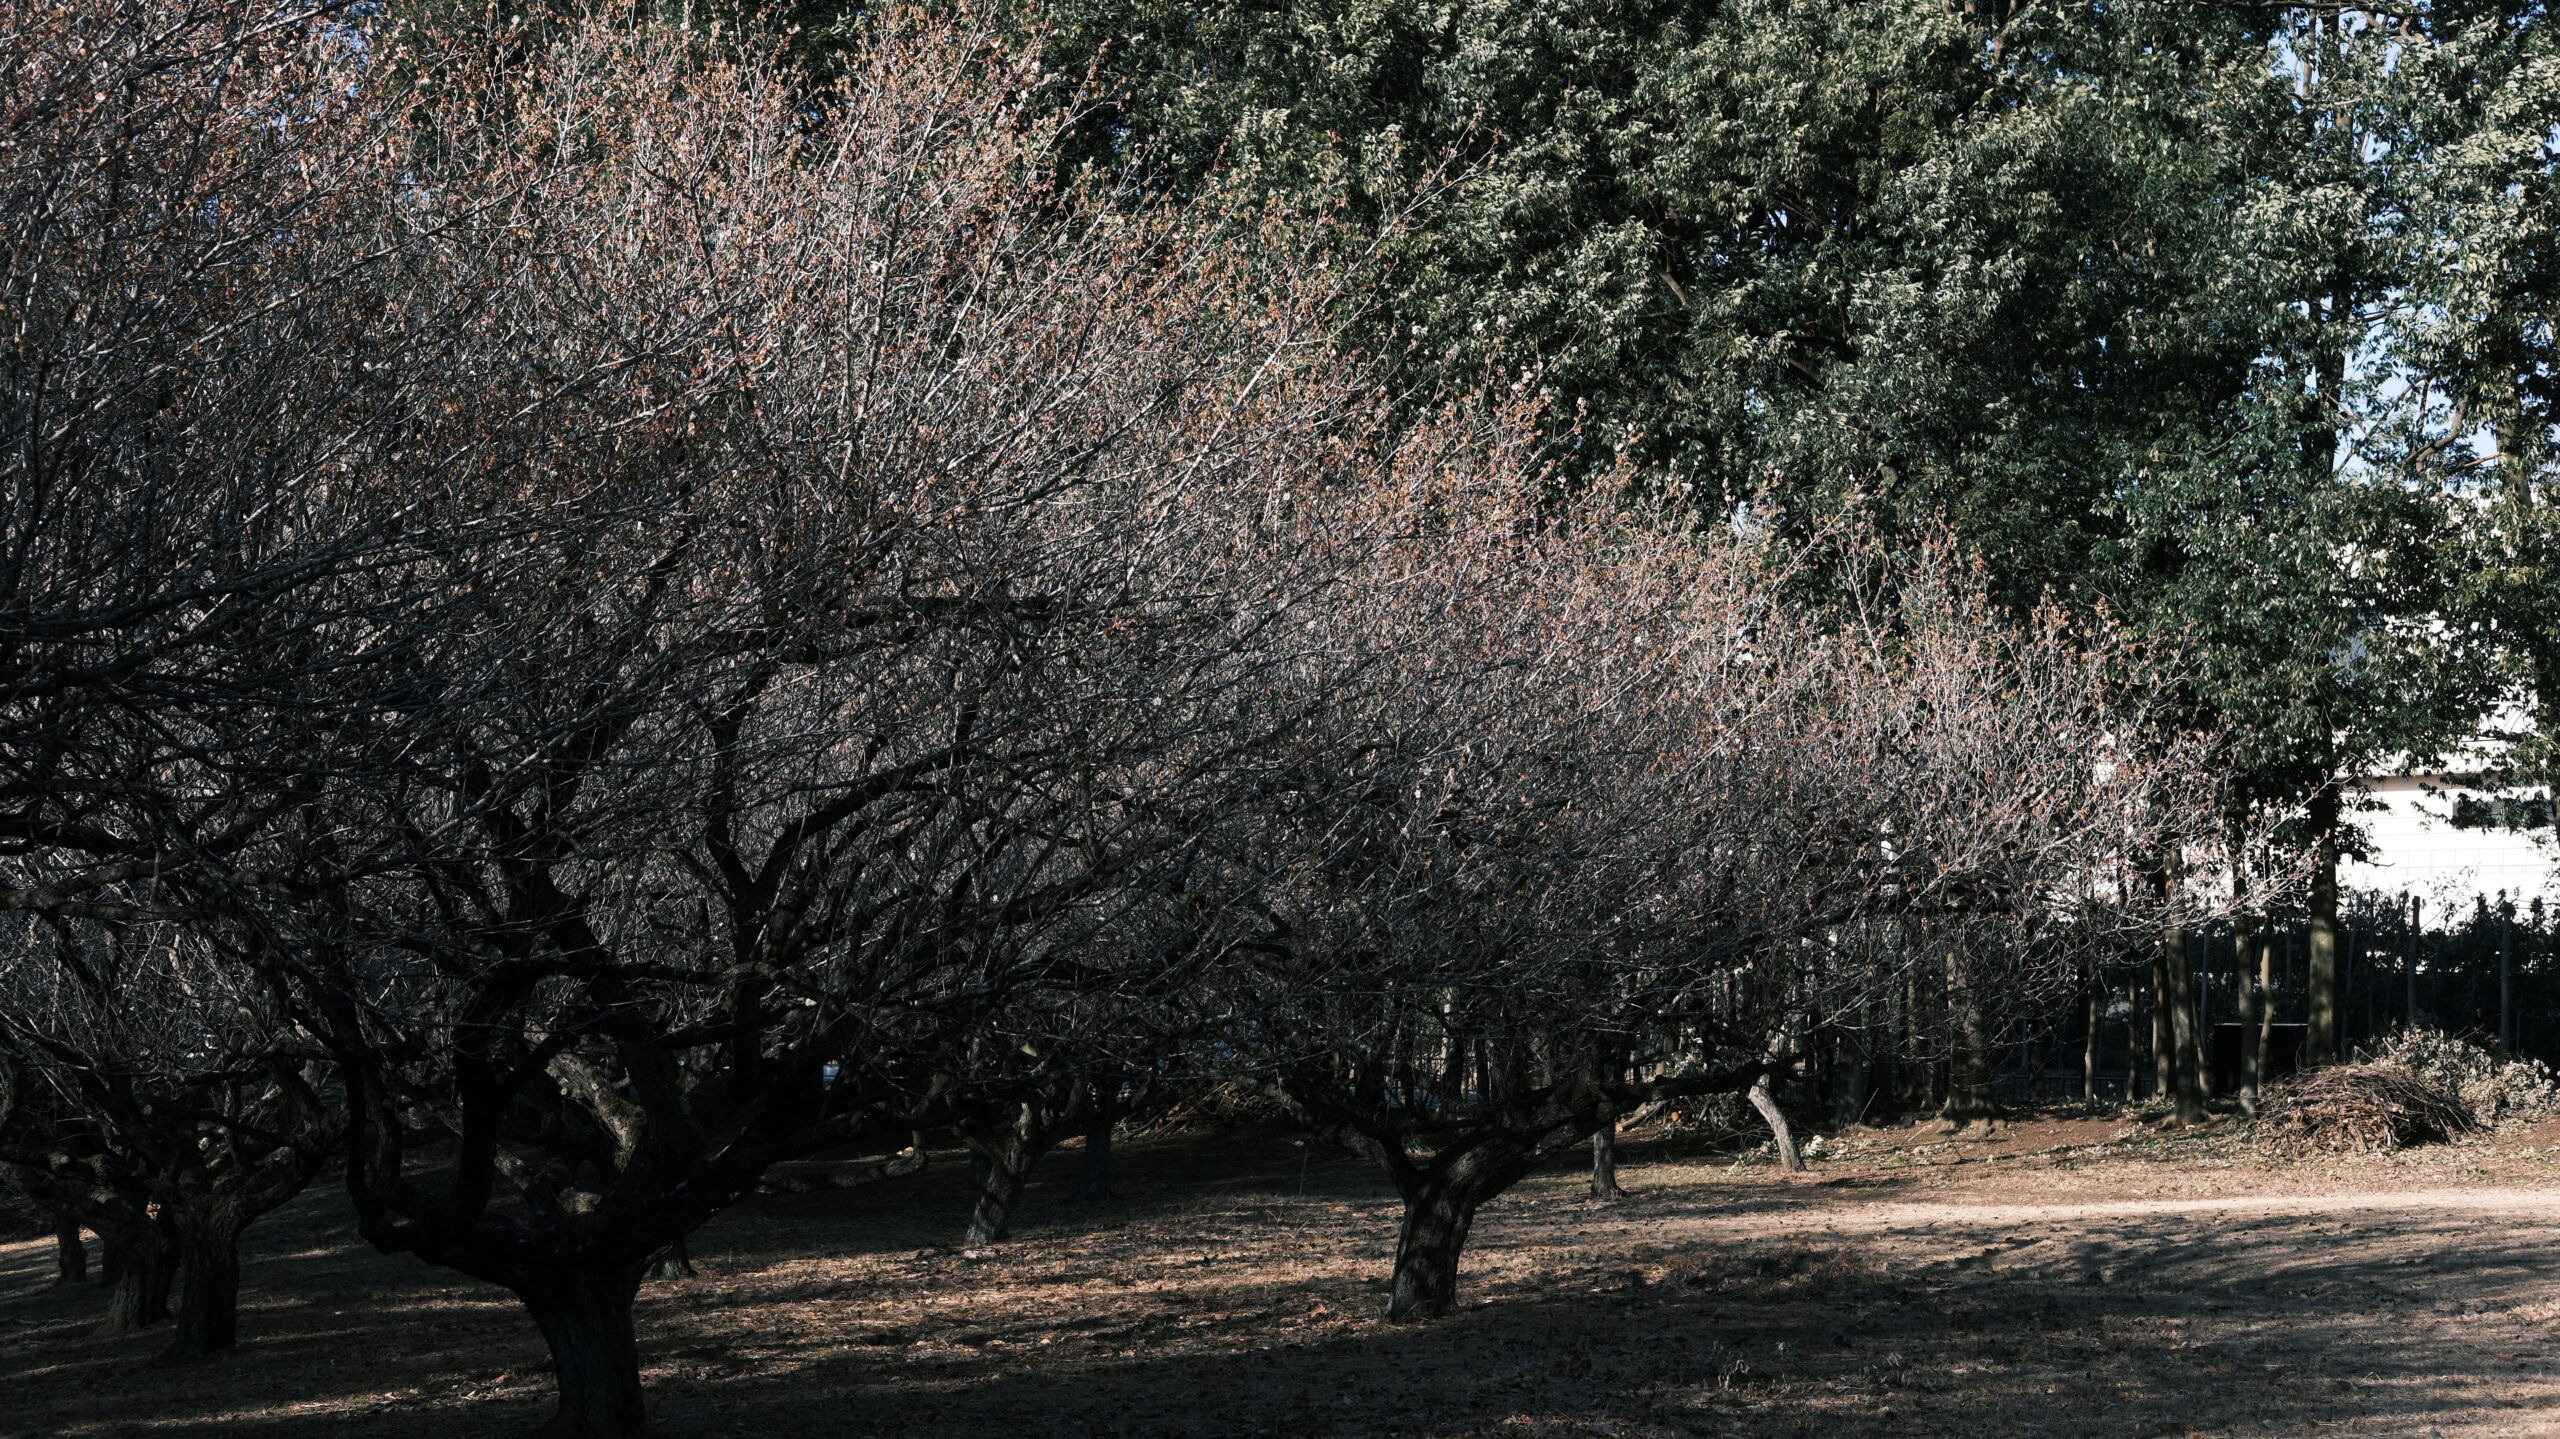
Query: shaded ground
[[2056, 1280]]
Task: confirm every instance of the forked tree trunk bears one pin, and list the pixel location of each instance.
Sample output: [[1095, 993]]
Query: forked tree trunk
[[1790, 1158], [70, 1256], [1440, 1203], [585, 1317], [1427, 1249], [209, 1301]]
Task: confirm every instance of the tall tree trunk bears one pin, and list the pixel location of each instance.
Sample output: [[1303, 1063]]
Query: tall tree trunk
[[2092, 1011], [2322, 1042], [1969, 1096], [209, 1301], [70, 1255], [2164, 1054], [1790, 1158], [2249, 953], [2186, 1084], [2136, 1028], [585, 1316]]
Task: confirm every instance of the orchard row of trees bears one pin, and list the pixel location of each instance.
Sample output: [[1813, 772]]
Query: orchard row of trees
[[587, 613], [2237, 323]]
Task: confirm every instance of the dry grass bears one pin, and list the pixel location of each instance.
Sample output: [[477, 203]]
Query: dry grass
[[2061, 1278]]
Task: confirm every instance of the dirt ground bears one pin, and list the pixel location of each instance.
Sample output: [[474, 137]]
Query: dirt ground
[[2068, 1277]]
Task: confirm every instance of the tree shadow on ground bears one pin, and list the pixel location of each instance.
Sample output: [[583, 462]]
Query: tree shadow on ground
[[1219, 1307]]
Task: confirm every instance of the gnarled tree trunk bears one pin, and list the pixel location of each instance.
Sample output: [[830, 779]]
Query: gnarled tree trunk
[[585, 1317], [1004, 1168], [1440, 1202]]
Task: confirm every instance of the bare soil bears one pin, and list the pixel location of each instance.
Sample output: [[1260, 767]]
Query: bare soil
[[2063, 1277]]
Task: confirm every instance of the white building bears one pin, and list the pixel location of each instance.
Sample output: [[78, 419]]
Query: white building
[[2447, 837]]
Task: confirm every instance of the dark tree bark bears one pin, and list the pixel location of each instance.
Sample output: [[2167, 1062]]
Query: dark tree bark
[[1440, 1203], [2179, 1002], [209, 1301], [2163, 1045], [148, 1271], [1969, 1096], [71, 1256], [585, 1317], [2250, 951], [1102, 1109], [2320, 1046], [1005, 1160]]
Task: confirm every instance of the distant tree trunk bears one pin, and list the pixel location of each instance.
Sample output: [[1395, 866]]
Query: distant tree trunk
[[1790, 1158], [110, 1261], [673, 1262], [1005, 1163], [2321, 1045], [2249, 946], [2093, 1012], [1101, 1116], [209, 1300], [1969, 1095], [2179, 999], [2164, 1060], [585, 1317], [2039, 1046], [70, 1255], [2136, 1029], [1604, 1156]]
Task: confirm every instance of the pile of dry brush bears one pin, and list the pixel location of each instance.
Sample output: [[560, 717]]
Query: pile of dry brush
[[2360, 1109]]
